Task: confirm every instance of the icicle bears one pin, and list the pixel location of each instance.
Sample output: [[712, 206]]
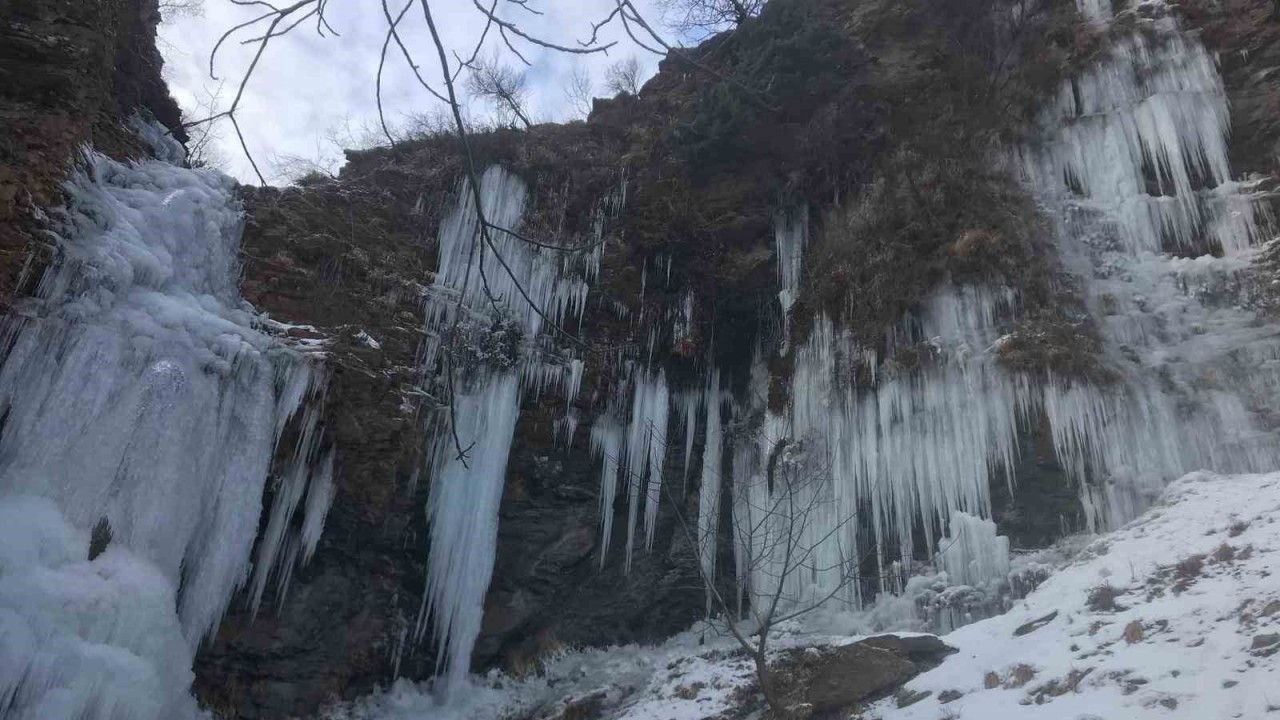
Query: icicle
[[1095, 10], [567, 428], [606, 443], [646, 448], [463, 513], [689, 413], [304, 470], [790, 233], [712, 477]]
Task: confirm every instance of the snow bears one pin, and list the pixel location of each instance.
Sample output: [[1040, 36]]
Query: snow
[[84, 638], [691, 676], [1194, 657]]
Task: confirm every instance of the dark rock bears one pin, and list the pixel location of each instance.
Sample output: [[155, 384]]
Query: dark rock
[[926, 651], [947, 696], [855, 673], [1266, 643], [1034, 625], [1044, 502], [906, 698]]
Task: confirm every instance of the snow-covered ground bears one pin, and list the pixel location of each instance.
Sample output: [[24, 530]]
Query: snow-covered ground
[[1189, 634], [1174, 616]]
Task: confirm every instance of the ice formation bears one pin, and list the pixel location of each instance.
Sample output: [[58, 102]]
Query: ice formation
[[84, 638], [142, 394], [1130, 159], [791, 231], [712, 478], [1132, 163], [973, 553], [486, 333]]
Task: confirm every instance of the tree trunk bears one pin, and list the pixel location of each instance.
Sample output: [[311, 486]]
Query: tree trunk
[[765, 679]]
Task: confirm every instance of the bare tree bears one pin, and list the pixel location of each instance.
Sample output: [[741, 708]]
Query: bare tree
[[202, 140], [503, 87], [300, 170], [707, 16], [623, 77], [439, 78], [173, 9], [793, 545], [580, 92]]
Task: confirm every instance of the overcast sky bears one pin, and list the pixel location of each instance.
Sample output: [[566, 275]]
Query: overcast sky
[[308, 88]]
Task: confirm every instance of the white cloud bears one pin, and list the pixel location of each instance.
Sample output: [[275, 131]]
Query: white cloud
[[307, 87]]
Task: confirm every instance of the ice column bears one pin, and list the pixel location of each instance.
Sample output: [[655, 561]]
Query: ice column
[[791, 230], [487, 305]]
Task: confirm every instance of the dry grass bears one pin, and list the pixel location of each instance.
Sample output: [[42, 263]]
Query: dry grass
[[1102, 598]]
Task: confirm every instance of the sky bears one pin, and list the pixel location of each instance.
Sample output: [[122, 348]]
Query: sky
[[309, 91]]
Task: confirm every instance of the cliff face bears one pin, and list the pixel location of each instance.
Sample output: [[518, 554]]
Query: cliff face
[[791, 111], [825, 108], [71, 74]]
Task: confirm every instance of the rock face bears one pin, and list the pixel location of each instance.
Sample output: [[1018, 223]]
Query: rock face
[[707, 168], [71, 73], [850, 93]]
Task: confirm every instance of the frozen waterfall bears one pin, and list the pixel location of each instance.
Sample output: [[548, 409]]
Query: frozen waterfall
[[142, 401], [1130, 160], [486, 335]]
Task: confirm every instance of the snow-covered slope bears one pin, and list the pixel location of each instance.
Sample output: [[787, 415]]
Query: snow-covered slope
[[1190, 631], [1175, 615]]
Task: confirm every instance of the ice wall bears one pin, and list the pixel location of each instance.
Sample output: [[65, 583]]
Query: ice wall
[[1130, 161], [141, 394], [488, 345]]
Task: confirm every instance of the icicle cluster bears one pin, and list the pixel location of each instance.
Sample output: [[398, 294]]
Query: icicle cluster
[[1131, 158], [482, 292], [633, 454], [1132, 161], [140, 395]]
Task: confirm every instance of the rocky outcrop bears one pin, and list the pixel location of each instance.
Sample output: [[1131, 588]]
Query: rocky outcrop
[[833, 682], [71, 73]]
